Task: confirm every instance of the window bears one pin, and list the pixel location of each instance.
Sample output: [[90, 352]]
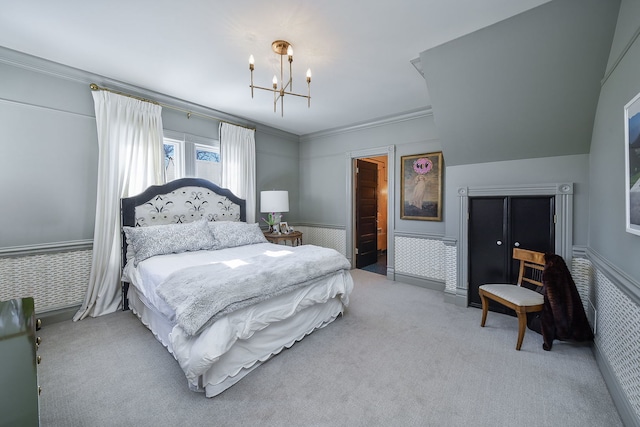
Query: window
[[173, 159], [191, 156], [208, 163]]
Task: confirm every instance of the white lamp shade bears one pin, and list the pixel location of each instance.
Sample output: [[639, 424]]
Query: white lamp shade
[[274, 201]]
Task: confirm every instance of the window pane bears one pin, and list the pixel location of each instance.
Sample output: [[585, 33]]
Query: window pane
[[208, 163], [207, 156], [169, 161]]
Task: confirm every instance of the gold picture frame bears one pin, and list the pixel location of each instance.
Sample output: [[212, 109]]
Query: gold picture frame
[[632, 164], [421, 187]]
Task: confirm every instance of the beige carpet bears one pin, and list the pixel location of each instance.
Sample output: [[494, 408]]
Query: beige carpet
[[400, 356]]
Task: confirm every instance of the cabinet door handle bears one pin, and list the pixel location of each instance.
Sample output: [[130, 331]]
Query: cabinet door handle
[[516, 244], [499, 242]]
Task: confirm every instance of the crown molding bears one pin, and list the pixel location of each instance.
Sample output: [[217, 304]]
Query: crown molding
[[55, 69], [382, 121]]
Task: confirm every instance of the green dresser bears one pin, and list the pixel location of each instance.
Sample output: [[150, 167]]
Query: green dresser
[[19, 388]]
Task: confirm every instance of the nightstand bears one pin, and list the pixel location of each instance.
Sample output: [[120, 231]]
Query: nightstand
[[295, 237]]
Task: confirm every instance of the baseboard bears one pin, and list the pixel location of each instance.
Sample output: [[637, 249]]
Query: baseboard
[[626, 412], [435, 285], [449, 297], [56, 316]]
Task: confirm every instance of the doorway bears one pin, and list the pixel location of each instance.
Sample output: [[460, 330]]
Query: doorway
[[371, 207]]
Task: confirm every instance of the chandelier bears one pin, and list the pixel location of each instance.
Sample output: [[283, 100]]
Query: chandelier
[[282, 48]]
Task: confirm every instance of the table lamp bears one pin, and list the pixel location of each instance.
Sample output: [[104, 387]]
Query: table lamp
[[274, 202]]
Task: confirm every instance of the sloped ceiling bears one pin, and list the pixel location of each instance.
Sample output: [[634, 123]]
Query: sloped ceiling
[[524, 87]]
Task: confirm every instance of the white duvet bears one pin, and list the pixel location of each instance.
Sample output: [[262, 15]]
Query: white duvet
[[198, 355]]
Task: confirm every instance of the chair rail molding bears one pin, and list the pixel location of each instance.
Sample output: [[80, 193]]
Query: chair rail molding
[[563, 193]]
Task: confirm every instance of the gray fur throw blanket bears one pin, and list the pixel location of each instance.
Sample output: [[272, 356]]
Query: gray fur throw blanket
[[199, 295]]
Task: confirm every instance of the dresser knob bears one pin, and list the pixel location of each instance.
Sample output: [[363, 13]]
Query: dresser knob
[[38, 324], [38, 340], [39, 390], [38, 359]]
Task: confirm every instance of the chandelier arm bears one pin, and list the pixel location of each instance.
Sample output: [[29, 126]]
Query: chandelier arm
[[281, 73], [264, 88], [251, 85], [290, 84], [297, 94]]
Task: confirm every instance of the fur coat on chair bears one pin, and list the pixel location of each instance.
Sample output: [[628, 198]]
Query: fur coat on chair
[[563, 315]]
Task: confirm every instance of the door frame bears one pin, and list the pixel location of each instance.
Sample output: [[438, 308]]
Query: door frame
[[563, 193], [390, 152]]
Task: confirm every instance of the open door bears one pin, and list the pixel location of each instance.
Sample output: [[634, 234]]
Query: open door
[[366, 213]]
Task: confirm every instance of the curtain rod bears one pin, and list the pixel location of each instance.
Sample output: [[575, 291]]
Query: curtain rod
[[94, 86]]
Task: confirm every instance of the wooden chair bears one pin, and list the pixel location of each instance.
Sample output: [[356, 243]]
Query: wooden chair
[[520, 299]]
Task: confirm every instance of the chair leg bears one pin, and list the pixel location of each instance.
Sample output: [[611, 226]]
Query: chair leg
[[485, 308], [522, 326]]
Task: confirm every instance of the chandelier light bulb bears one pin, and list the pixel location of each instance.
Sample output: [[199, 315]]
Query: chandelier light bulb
[[290, 51], [251, 60], [309, 73], [275, 82]]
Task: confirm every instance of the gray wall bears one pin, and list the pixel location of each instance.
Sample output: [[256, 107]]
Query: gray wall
[[49, 155], [277, 156], [607, 235], [49, 150], [324, 167]]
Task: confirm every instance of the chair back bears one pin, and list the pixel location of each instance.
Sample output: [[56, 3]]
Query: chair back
[[531, 266]]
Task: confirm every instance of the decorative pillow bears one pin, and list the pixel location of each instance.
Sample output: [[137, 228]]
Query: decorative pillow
[[229, 234], [168, 239]]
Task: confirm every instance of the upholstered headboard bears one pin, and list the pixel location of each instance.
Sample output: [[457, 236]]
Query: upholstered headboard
[[179, 201], [182, 200]]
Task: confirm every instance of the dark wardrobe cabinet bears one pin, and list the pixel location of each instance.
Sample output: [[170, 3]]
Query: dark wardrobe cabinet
[[496, 226]]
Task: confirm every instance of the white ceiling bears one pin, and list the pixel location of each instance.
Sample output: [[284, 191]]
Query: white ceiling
[[198, 50]]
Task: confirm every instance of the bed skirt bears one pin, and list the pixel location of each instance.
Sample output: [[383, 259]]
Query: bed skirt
[[245, 354]]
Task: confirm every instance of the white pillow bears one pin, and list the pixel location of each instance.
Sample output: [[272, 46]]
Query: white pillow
[[167, 239], [229, 234]]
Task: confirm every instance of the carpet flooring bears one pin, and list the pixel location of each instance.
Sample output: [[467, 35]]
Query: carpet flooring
[[400, 356]]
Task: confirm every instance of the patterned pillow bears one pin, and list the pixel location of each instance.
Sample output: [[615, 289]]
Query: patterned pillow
[[168, 239], [229, 234]]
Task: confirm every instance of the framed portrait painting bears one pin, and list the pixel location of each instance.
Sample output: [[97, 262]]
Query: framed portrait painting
[[421, 187], [632, 164]]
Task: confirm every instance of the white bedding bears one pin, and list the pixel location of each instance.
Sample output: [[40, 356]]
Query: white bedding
[[238, 342]]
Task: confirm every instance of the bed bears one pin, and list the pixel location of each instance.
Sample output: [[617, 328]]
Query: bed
[[213, 291]]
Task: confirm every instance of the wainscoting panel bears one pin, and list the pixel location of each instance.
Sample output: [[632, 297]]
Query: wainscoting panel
[[451, 256], [618, 337], [54, 280], [421, 257], [583, 275], [326, 237]]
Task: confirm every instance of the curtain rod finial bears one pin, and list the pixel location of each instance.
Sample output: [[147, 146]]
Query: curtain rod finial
[[94, 86]]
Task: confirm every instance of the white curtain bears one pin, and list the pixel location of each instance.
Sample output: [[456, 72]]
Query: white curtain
[[238, 152], [130, 156]]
